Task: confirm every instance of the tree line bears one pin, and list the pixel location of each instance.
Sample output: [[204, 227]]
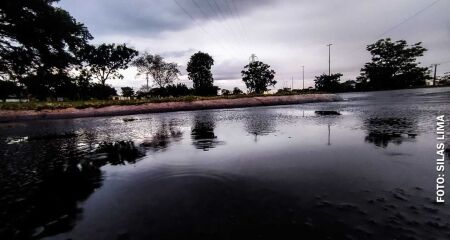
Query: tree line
[[45, 53], [393, 65]]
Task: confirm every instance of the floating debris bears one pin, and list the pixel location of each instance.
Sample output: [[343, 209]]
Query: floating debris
[[327, 113]]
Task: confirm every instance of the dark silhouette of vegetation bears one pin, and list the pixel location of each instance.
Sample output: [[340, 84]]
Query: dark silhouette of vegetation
[[39, 42], [393, 66], [162, 73], [127, 92], [105, 60], [42, 198], [171, 90], [226, 92], [260, 123], [8, 88], [199, 71], [100, 91], [444, 80], [382, 131], [237, 91], [202, 134], [258, 76], [120, 152], [328, 83], [165, 134]]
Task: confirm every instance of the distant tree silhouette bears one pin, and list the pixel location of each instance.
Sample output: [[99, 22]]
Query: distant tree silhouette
[[394, 65], [348, 86], [199, 71], [444, 80], [100, 91], [258, 76], [127, 92], [105, 60], [328, 83], [154, 65], [237, 91], [226, 92]]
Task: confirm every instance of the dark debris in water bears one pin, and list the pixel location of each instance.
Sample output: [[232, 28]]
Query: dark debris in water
[[327, 113]]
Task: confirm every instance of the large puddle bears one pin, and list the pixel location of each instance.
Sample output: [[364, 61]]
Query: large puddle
[[363, 168]]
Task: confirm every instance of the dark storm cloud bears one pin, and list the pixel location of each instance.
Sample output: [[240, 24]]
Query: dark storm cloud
[[150, 18]]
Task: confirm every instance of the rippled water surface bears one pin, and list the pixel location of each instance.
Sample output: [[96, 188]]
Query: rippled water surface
[[363, 168]]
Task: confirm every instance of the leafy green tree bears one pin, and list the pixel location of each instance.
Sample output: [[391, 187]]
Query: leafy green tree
[[154, 65], [258, 76], [328, 83], [127, 92], [199, 71], [39, 42], [106, 60], [394, 65]]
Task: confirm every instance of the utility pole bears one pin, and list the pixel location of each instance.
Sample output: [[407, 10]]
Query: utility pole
[[253, 57], [292, 83], [303, 73], [329, 59], [435, 71]]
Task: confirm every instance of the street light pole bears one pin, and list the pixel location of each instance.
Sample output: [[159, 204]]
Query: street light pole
[[303, 68], [329, 59]]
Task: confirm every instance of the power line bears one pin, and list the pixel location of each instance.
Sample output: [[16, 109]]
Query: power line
[[199, 25], [220, 14], [239, 20], [233, 15], [207, 17], [409, 18]]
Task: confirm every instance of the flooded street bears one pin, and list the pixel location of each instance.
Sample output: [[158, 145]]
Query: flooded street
[[362, 168]]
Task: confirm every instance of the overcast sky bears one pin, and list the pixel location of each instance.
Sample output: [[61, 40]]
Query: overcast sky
[[285, 34]]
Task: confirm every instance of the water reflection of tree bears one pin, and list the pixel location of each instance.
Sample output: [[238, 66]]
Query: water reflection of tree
[[202, 133], [164, 135], [44, 181], [382, 131], [259, 124]]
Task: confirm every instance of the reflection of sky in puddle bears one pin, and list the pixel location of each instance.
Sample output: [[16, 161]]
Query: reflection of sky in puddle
[[366, 171]]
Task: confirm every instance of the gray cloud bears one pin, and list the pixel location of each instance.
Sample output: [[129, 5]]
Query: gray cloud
[[151, 18]]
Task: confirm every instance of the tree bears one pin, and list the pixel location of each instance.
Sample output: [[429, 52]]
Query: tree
[[39, 43], [444, 80], [258, 76], [127, 92], [347, 86], [199, 71], [226, 92], [8, 88], [394, 65], [237, 91], [100, 91], [105, 60], [153, 65], [328, 83]]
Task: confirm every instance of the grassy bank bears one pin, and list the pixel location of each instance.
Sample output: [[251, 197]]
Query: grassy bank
[[42, 105]]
